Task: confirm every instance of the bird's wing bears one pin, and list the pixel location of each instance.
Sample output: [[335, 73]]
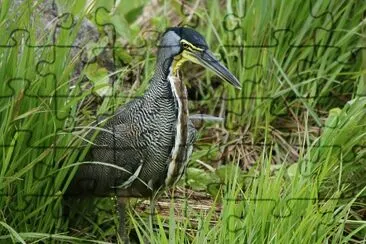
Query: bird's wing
[[120, 145], [115, 153]]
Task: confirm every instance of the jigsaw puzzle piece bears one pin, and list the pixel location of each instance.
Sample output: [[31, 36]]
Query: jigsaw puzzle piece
[[316, 156], [236, 222]]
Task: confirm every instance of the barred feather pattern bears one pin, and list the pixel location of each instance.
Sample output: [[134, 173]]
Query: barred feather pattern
[[141, 139], [140, 134]]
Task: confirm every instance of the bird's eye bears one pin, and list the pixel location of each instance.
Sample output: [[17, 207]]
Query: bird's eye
[[185, 45]]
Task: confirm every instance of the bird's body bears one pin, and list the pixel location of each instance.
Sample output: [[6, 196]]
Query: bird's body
[[147, 143], [135, 140]]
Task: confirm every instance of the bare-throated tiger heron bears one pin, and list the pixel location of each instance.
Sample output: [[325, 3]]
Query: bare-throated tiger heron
[[149, 139]]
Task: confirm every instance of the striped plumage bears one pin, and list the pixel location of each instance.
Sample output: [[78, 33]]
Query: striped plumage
[[141, 133], [151, 137]]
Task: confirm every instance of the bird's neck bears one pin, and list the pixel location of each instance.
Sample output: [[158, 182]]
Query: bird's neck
[[166, 84], [179, 150], [160, 85]]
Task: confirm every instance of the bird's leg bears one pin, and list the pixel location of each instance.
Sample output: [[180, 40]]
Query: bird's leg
[[151, 217], [121, 206], [153, 198], [152, 211]]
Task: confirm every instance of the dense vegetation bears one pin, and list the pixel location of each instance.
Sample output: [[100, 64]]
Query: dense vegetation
[[288, 163]]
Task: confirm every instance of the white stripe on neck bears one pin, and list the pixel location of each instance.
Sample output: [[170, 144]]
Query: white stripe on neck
[[178, 144]]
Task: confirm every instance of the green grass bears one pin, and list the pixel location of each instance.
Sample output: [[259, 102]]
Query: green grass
[[299, 119]]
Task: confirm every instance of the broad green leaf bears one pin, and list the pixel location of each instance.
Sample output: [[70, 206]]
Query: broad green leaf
[[100, 79]]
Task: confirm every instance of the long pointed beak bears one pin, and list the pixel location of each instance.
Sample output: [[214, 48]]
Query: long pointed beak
[[208, 60]]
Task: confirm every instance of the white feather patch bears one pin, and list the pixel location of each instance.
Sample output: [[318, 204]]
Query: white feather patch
[[178, 137]]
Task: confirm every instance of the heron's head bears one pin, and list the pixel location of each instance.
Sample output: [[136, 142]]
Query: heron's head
[[181, 44]]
